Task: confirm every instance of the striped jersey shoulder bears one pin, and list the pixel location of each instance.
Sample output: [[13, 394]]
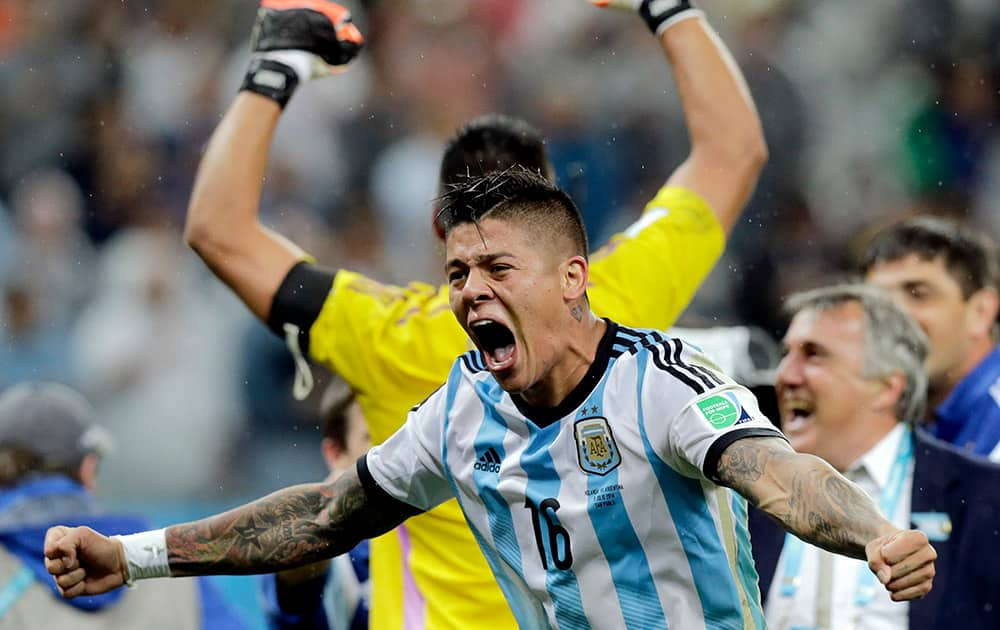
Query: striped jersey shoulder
[[681, 360], [473, 361]]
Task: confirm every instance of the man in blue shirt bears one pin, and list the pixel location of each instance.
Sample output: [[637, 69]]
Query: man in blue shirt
[[945, 275], [50, 448]]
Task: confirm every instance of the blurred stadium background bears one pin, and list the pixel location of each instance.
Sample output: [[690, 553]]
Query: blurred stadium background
[[873, 110]]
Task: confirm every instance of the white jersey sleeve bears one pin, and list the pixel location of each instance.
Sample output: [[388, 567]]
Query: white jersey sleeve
[[409, 465], [694, 411]]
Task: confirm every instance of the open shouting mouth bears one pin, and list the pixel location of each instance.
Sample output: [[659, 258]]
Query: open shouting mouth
[[796, 414], [496, 342]]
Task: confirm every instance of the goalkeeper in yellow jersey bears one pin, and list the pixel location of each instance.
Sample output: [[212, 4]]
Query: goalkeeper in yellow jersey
[[394, 345]]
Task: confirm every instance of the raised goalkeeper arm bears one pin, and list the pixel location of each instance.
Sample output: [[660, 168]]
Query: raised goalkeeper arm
[[289, 528], [728, 149], [816, 503], [291, 44]]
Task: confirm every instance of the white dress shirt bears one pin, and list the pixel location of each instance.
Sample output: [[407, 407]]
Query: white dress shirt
[[798, 612]]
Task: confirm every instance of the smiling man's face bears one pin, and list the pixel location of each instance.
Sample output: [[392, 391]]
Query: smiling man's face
[[506, 290], [824, 398]]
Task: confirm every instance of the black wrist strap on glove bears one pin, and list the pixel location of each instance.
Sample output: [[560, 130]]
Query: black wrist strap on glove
[[272, 79], [659, 13]]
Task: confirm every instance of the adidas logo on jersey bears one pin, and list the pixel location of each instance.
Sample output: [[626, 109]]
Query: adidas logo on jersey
[[489, 462]]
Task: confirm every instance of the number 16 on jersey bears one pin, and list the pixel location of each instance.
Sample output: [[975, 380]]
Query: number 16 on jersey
[[558, 547]]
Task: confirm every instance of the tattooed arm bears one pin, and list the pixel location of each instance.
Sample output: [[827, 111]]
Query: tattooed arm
[[286, 529], [804, 494], [813, 501], [289, 528]]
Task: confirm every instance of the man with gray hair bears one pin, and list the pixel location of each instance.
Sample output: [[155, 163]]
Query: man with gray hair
[[850, 386]]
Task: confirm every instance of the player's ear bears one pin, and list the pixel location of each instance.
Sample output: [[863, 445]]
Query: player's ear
[[575, 273], [892, 388], [88, 471], [436, 222], [331, 452], [983, 307]]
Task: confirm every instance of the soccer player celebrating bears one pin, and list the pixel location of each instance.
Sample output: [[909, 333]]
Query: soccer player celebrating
[[395, 345], [592, 461]]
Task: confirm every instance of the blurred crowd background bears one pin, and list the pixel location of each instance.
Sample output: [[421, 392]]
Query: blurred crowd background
[[872, 110]]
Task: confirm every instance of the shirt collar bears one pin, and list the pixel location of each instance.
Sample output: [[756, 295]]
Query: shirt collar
[[877, 462], [963, 398]]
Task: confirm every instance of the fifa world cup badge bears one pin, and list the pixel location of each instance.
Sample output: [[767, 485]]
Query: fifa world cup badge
[[723, 410], [596, 446]]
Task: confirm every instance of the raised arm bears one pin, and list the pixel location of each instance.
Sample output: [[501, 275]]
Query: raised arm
[[646, 276], [222, 221], [728, 149], [289, 528], [816, 503]]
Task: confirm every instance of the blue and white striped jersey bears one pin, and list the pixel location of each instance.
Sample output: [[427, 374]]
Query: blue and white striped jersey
[[600, 512]]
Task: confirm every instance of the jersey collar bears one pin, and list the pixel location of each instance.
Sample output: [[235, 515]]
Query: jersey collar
[[544, 416]]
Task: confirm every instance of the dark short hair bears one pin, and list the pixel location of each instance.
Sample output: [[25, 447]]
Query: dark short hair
[[969, 256], [493, 142], [337, 400], [488, 143], [515, 193]]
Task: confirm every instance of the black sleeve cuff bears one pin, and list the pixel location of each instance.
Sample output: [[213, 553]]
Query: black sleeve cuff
[[300, 299], [711, 466], [375, 493]]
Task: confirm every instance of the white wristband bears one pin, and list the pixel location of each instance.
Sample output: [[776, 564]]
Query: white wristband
[[679, 17], [305, 64], [145, 555]]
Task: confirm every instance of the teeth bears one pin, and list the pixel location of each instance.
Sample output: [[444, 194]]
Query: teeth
[[482, 322], [799, 408]]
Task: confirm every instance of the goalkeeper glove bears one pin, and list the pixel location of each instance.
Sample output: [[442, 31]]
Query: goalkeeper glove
[[659, 14], [297, 40]]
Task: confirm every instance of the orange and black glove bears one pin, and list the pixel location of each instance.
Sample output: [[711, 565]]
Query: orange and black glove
[[294, 41]]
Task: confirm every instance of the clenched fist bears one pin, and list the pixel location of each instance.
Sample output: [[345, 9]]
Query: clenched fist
[[904, 563], [83, 562]]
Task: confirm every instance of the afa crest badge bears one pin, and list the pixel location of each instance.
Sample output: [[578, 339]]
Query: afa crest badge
[[596, 446]]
